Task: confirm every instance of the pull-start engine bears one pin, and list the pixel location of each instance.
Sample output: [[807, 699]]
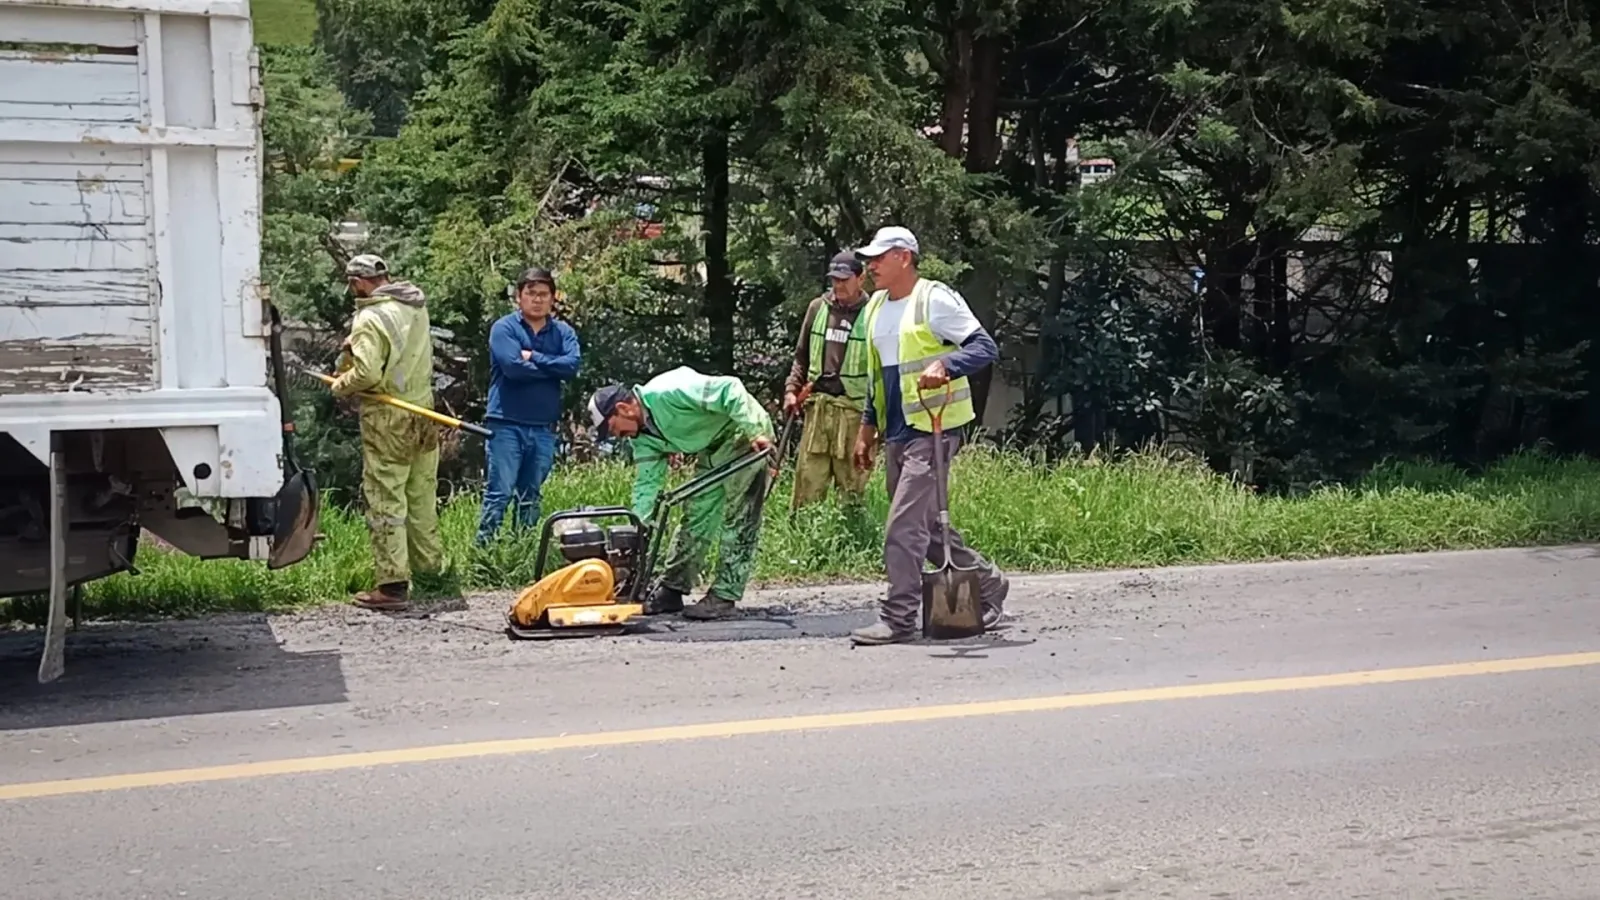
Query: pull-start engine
[[618, 545]]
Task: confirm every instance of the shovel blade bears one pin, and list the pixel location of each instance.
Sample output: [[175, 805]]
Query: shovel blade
[[951, 607], [298, 506]]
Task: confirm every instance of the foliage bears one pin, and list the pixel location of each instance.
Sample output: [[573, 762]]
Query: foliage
[[381, 51], [1338, 232], [308, 129]]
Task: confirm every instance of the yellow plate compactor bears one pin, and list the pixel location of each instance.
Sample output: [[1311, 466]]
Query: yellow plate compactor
[[608, 572]]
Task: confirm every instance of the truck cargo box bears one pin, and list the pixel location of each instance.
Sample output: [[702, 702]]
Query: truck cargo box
[[136, 342], [130, 174]]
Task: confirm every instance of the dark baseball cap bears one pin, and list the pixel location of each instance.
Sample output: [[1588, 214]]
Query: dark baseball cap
[[534, 275], [845, 265], [602, 404]]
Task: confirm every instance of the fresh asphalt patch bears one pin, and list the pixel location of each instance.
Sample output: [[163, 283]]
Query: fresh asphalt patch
[[757, 627], [779, 625]]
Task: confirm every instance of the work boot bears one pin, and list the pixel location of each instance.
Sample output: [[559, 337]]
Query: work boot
[[994, 608], [663, 601], [882, 633], [392, 597], [711, 607]]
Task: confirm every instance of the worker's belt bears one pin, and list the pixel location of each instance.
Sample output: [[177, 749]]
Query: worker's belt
[[831, 425]]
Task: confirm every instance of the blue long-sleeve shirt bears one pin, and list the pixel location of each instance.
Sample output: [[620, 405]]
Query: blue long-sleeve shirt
[[952, 321], [528, 391]]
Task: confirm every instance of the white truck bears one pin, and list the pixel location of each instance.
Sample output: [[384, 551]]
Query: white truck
[[139, 353]]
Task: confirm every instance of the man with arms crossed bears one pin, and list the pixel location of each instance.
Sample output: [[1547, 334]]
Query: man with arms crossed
[[531, 354]]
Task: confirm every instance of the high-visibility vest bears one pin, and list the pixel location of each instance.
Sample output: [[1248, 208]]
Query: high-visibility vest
[[853, 371], [919, 346]]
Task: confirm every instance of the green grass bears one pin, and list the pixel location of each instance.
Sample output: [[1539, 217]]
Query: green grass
[[286, 22], [1142, 510]]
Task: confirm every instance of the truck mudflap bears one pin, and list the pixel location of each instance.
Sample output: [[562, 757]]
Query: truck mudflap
[[298, 511]]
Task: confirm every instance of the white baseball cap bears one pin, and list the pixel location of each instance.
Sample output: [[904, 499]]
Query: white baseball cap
[[893, 237]]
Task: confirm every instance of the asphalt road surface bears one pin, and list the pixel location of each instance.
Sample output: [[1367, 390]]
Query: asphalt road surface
[[1411, 727]]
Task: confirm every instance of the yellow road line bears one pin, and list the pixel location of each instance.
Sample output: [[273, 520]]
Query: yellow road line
[[479, 749]]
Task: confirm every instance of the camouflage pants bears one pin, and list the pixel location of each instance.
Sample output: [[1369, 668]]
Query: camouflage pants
[[400, 481], [731, 510], [826, 454]]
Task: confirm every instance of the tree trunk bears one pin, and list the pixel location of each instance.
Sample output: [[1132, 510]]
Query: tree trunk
[[1282, 314], [1226, 260], [957, 87], [1044, 386], [983, 106], [1272, 302], [719, 302], [981, 58]]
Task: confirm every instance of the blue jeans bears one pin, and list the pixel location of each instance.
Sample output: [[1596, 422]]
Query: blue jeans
[[519, 459]]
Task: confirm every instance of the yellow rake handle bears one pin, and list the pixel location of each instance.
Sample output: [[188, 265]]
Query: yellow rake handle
[[412, 408]]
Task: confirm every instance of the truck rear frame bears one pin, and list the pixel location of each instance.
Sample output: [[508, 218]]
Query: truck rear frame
[[139, 352]]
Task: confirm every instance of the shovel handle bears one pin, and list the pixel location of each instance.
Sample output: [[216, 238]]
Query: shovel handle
[[941, 475], [412, 408], [938, 416], [780, 452], [800, 398]]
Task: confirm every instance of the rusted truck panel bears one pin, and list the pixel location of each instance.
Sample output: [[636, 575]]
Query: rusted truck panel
[[137, 355], [77, 262]]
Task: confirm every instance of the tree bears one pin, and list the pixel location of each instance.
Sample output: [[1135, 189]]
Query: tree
[[381, 51], [308, 128]]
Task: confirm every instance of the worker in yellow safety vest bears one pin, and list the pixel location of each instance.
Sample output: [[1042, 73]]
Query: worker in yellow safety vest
[[923, 342], [828, 384]]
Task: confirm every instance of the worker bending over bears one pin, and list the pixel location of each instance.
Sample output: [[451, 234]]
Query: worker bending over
[[714, 418], [922, 335], [830, 359], [390, 351]]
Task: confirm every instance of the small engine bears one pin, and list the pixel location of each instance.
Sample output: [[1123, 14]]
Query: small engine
[[619, 545]]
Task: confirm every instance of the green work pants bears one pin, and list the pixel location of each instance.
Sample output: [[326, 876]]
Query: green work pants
[[731, 510], [827, 453], [400, 481]]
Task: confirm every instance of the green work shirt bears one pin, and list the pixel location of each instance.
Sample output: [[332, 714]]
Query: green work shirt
[[689, 413]]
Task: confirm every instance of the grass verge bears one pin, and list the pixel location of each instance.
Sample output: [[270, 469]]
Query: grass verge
[[1141, 510]]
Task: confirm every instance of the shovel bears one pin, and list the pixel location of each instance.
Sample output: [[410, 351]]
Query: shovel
[[783, 441], [397, 403], [951, 607]]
